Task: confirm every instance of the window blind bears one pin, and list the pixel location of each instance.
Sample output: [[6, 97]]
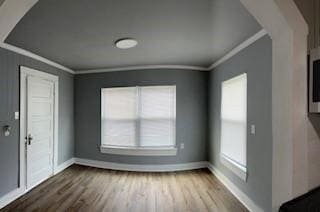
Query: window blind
[[139, 116], [234, 119]]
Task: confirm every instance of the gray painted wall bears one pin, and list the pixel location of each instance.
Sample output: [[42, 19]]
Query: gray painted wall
[[256, 61], [9, 103], [191, 113]]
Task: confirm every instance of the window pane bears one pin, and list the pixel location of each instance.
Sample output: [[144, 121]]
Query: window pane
[[234, 119], [157, 102], [234, 97], [119, 133], [157, 113], [119, 116], [157, 132], [233, 141]]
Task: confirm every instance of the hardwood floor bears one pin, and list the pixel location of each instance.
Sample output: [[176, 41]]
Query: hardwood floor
[[88, 189]]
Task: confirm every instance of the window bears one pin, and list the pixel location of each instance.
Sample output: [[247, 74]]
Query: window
[[138, 119], [234, 124]]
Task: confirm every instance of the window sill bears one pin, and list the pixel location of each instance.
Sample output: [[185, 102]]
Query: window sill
[[240, 171], [167, 151]]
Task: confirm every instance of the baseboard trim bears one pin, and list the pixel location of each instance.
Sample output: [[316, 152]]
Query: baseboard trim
[[242, 197], [142, 168], [15, 194], [10, 197], [63, 166]]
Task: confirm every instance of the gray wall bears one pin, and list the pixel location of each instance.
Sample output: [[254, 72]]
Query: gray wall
[[9, 103], [256, 61], [191, 113]]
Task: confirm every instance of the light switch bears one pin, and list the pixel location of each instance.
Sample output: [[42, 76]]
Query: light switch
[[16, 115], [182, 146], [253, 129]]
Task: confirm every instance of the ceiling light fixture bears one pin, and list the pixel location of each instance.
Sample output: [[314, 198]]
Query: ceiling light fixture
[[126, 43]]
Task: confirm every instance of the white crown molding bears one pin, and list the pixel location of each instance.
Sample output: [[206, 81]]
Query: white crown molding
[[229, 55], [142, 167], [240, 195], [12, 11], [34, 56], [226, 57], [239, 48], [142, 67]]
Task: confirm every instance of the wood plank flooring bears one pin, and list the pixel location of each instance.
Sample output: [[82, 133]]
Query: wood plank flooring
[[88, 189]]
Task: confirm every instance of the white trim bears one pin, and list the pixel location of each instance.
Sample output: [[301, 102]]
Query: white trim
[[142, 67], [226, 57], [15, 194], [240, 171], [10, 197], [142, 167], [34, 56], [242, 197], [288, 31], [24, 72], [64, 165], [12, 11], [239, 48], [169, 151], [230, 54]]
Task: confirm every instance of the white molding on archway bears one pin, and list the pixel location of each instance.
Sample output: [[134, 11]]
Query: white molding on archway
[[11, 11], [288, 31]]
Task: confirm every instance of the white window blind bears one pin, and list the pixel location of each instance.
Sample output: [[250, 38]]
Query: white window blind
[[138, 116], [234, 120]]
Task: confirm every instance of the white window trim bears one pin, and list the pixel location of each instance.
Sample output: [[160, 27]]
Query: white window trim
[[139, 151], [237, 169]]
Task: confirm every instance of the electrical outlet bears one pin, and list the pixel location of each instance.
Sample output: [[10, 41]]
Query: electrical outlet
[[253, 129], [182, 146], [16, 115]]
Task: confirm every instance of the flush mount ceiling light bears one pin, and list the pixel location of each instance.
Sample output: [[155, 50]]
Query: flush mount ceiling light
[[126, 43]]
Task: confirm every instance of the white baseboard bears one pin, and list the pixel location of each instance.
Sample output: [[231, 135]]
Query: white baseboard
[[242, 197], [15, 194], [144, 168], [11, 196], [63, 166]]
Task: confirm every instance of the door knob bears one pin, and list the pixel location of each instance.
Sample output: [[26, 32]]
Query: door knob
[[6, 130], [29, 139]]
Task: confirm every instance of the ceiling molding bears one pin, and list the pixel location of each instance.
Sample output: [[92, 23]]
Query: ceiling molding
[[143, 67], [239, 48], [230, 54], [34, 56], [223, 59], [11, 11]]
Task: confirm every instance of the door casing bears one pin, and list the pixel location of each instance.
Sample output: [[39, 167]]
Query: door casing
[[24, 72]]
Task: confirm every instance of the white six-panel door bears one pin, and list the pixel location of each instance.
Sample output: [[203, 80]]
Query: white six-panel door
[[40, 130]]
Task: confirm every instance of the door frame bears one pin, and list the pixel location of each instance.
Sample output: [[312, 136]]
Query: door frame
[[24, 72]]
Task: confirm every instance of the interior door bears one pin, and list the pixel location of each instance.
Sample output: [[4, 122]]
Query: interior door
[[40, 115]]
